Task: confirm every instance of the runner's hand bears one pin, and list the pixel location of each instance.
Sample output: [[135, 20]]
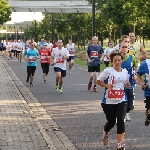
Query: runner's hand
[[143, 85], [127, 85]]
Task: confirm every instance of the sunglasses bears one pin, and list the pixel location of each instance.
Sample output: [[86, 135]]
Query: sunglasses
[[44, 45], [124, 47], [32, 45]]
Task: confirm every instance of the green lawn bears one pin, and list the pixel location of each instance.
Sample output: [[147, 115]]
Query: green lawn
[[84, 64]]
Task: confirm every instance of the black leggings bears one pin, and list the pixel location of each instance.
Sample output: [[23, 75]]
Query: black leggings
[[31, 70], [45, 67], [130, 98], [112, 111]]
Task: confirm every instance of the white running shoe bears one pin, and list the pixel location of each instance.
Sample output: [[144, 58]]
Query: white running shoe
[[128, 117], [69, 72]]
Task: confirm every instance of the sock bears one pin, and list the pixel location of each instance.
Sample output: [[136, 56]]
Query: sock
[[27, 78]]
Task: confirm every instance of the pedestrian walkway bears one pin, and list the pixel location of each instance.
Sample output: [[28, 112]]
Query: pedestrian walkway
[[19, 129], [24, 122]]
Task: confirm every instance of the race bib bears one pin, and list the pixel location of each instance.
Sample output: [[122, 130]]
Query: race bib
[[94, 54], [43, 57], [31, 58], [59, 60], [115, 94]]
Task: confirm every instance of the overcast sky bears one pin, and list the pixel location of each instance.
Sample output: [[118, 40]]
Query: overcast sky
[[25, 16]]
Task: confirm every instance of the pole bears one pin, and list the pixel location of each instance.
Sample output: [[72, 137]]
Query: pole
[[93, 18], [35, 31], [52, 28]]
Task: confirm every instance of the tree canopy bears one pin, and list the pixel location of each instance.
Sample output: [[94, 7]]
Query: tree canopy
[[5, 11]]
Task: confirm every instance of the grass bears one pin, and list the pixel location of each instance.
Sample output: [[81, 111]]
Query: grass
[[84, 63]]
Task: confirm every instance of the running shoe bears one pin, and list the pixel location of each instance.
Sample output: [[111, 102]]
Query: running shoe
[[56, 87], [69, 72], [128, 117], [94, 89], [27, 80], [105, 139], [31, 84], [89, 86], [121, 146], [60, 90], [44, 81]]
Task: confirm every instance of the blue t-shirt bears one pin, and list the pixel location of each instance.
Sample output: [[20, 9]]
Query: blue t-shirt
[[128, 65], [32, 57], [145, 70], [94, 53]]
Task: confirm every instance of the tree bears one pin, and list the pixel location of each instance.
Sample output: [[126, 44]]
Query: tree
[[5, 11]]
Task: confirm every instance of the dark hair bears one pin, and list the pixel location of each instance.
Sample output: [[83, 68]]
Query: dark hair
[[112, 55], [124, 36]]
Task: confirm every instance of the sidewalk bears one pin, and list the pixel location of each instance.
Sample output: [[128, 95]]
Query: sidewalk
[[19, 128], [24, 123]]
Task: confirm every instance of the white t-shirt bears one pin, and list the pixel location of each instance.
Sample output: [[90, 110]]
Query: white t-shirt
[[116, 48], [107, 52], [49, 45], [71, 49], [120, 78], [14, 45], [59, 61], [19, 46]]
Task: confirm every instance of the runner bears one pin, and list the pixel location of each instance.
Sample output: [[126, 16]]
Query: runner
[[130, 64], [114, 80], [8, 50], [58, 60], [71, 49], [144, 69], [15, 48], [19, 50], [45, 60], [124, 38], [49, 45], [93, 54], [4, 48], [136, 48], [31, 57], [107, 52]]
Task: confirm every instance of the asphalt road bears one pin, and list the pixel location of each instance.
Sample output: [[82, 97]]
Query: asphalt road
[[78, 111]]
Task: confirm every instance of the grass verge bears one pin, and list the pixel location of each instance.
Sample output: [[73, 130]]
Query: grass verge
[[84, 64]]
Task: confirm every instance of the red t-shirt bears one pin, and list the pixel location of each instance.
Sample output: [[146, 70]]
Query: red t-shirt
[[54, 46], [45, 56]]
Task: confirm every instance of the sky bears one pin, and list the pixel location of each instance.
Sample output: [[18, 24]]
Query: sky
[[25, 16]]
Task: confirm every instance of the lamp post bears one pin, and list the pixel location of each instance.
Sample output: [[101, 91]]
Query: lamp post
[[93, 18], [52, 28]]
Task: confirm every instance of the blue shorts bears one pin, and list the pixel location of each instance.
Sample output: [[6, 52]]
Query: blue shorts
[[70, 58], [63, 72]]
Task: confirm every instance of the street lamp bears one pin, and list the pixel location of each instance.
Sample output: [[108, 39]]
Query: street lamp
[[93, 18]]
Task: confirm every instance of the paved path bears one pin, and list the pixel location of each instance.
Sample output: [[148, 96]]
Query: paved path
[[72, 120]]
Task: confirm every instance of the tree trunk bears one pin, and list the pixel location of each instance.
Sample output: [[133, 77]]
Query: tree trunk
[[120, 30]]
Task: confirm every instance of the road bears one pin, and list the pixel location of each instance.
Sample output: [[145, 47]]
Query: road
[[78, 111]]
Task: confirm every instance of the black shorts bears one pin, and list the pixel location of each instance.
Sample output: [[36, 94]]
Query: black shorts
[[31, 70], [63, 72], [19, 51], [94, 68], [4, 48], [45, 67]]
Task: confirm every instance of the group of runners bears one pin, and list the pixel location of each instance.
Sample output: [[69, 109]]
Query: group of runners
[[126, 63]]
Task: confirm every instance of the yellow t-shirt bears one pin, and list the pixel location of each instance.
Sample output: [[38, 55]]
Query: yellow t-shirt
[[134, 49]]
